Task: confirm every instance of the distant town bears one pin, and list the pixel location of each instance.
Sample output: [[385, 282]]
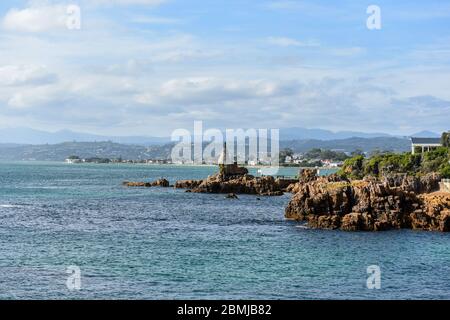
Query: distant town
[[314, 158]]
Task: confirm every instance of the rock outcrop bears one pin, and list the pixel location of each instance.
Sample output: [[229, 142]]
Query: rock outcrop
[[239, 184], [163, 183], [187, 184], [393, 202], [232, 179]]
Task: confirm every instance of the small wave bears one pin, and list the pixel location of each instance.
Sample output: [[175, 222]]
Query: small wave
[[302, 226], [9, 206]]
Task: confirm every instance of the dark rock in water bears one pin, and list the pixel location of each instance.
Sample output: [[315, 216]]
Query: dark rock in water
[[231, 196], [187, 184], [158, 183], [245, 184], [233, 179], [137, 184], [371, 205], [164, 183]]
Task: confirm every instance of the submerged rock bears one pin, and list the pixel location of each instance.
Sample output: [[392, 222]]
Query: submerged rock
[[371, 205]]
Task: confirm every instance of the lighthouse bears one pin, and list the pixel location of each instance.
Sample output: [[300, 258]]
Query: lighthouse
[[228, 168]]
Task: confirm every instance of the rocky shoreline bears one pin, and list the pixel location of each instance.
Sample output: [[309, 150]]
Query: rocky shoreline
[[394, 202], [334, 202]]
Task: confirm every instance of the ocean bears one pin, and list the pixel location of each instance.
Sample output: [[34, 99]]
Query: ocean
[[160, 243]]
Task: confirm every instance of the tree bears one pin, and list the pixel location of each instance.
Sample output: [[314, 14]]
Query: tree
[[353, 168], [445, 139], [445, 171]]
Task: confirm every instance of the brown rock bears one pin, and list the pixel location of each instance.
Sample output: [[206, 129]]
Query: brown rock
[[187, 184], [370, 204], [158, 183], [137, 184], [241, 184], [164, 183]]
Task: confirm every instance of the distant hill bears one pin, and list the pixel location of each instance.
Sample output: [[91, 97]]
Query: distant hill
[[426, 134], [59, 152], [351, 144], [37, 137], [321, 134]]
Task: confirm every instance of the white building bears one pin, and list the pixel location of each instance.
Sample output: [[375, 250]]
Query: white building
[[73, 160], [424, 144]]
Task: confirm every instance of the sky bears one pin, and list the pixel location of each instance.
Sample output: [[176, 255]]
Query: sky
[[148, 67]]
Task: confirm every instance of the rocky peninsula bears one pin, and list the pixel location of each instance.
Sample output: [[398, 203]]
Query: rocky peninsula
[[370, 204]]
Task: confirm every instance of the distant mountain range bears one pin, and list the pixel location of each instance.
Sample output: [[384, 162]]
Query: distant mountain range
[[108, 149], [393, 144], [321, 134], [61, 151], [38, 137]]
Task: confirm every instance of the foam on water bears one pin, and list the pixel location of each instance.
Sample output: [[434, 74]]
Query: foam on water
[[9, 206]]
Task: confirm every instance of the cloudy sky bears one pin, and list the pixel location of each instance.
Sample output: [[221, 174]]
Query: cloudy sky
[[147, 67]]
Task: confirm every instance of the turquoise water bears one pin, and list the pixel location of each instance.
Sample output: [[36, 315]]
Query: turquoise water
[[167, 244]]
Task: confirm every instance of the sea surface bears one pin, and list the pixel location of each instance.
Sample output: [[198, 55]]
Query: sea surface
[[167, 244]]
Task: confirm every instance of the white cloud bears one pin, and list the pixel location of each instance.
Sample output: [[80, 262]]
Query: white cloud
[[15, 75], [42, 16], [36, 18], [198, 91], [29, 98], [120, 76]]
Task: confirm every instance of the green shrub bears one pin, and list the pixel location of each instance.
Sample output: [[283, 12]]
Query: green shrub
[[445, 171], [353, 167], [381, 164]]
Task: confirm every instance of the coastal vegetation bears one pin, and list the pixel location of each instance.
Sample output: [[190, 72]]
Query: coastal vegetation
[[383, 164], [445, 139]]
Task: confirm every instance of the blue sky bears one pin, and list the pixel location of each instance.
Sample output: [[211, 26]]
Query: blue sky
[[147, 67]]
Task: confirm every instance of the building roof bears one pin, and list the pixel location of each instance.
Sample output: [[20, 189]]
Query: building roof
[[426, 140]]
